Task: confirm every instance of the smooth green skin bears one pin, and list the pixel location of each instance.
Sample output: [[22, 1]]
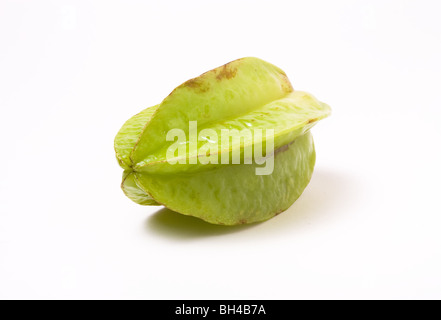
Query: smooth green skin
[[234, 194], [244, 94]]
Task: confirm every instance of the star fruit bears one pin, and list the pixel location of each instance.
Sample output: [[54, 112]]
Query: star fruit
[[197, 175]]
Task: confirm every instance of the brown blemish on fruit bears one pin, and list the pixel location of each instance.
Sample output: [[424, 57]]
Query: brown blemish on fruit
[[226, 72], [242, 221], [197, 84], [223, 72], [312, 120]]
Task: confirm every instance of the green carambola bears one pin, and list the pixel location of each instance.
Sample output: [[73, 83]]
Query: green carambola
[[244, 94]]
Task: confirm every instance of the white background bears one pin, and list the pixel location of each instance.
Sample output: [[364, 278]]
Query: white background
[[367, 226]]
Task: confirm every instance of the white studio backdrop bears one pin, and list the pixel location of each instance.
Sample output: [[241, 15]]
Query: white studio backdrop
[[367, 226]]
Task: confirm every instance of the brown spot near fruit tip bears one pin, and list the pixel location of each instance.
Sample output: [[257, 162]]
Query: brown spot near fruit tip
[[242, 221], [226, 72], [197, 85], [312, 120]]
